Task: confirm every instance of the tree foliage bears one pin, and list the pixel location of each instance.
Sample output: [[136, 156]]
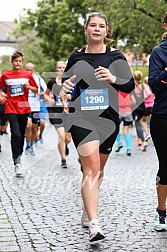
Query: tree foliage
[[59, 24]]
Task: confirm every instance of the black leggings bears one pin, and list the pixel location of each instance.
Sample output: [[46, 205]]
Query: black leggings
[[158, 130], [137, 115], [18, 125]]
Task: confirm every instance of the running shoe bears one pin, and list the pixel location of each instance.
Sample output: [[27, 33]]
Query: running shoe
[[18, 170], [128, 152], [27, 151], [147, 137], [119, 148], [32, 151], [67, 150], [64, 164], [95, 233], [41, 139], [144, 146], [84, 219], [160, 220]]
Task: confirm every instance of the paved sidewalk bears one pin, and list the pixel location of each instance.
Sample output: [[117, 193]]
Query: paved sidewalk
[[41, 212]]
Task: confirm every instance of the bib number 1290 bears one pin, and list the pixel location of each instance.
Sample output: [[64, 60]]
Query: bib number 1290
[[94, 99]]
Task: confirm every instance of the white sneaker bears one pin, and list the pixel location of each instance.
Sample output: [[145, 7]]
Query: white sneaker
[[148, 136], [95, 233], [84, 219], [32, 152], [18, 170], [160, 221]]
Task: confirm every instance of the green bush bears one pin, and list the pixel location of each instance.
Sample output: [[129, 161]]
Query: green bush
[[143, 69]]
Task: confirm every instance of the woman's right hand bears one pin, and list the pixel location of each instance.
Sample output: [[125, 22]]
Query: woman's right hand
[[68, 86]]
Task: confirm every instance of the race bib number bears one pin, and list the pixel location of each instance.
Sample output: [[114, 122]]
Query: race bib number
[[16, 90], [94, 99], [58, 101], [32, 94]]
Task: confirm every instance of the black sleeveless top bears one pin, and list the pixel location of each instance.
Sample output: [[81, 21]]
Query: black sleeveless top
[[139, 99]]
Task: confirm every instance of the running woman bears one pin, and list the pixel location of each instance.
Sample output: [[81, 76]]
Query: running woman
[[158, 124], [125, 115], [98, 71]]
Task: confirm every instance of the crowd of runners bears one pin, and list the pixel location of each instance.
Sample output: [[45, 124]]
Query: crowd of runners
[[87, 99]]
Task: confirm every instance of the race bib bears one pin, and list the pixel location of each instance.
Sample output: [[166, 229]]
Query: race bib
[[58, 101], [94, 99], [16, 90], [32, 94]]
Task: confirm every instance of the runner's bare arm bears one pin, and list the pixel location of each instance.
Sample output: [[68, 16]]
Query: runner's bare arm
[[2, 97], [33, 89]]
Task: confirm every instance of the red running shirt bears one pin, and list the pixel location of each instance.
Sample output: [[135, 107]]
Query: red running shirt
[[17, 93]]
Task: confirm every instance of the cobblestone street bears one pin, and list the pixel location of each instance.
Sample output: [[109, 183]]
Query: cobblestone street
[[41, 212]]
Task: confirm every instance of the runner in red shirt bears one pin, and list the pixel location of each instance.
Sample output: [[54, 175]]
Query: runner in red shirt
[[17, 82]]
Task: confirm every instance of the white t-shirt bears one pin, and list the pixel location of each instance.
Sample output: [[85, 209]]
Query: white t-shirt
[[33, 98]]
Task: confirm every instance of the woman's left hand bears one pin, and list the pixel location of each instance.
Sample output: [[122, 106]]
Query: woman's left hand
[[103, 74]]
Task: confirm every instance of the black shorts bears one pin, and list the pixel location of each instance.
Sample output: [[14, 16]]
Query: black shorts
[[126, 118], [137, 114], [147, 112], [34, 117], [85, 130], [59, 120]]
